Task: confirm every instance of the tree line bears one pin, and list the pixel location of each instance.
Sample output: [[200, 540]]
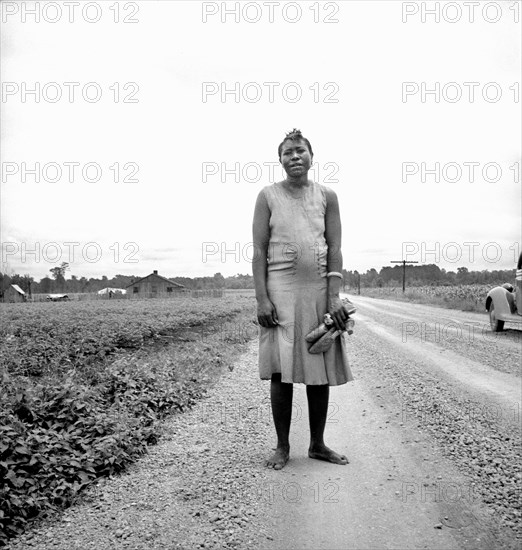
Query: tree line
[[419, 275], [429, 274]]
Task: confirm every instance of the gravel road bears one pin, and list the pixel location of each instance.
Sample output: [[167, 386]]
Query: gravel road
[[431, 426]]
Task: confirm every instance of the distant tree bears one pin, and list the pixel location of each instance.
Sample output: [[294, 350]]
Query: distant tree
[[368, 279], [462, 275], [219, 280], [451, 278], [350, 279], [120, 281], [84, 284], [233, 283], [239, 281], [95, 284], [73, 284], [59, 270], [58, 274], [5, 281], [45, 285]]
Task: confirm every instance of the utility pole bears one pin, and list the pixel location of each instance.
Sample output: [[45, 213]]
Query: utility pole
[[403, 262]]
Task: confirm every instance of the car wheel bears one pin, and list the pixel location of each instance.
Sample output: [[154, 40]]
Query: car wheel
[[496, 324]]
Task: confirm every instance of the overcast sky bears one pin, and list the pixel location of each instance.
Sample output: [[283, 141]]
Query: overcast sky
[[163, 138]]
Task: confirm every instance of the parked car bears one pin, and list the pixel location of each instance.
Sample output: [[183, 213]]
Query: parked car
[[57, 297], [504, 303]]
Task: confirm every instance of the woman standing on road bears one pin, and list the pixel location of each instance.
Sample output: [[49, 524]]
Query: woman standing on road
[[297, 275]]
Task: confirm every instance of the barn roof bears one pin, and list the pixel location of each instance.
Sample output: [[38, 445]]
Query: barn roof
[[18, 289], [156, 275]]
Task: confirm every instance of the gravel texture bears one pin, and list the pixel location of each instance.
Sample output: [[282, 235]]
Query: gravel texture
[[478, 431], [195, 489], [464, 332]]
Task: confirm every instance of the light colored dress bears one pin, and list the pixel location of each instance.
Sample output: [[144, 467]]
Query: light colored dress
[[297, 286]]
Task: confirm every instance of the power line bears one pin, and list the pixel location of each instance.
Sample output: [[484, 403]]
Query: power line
[[403, 262]]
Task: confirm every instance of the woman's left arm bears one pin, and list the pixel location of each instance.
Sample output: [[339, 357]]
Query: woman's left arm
[[333, 234]]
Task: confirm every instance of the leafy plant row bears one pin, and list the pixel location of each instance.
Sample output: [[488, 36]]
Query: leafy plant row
[[50, 338], [66, 420]]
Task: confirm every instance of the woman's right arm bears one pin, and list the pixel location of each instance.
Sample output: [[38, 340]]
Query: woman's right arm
[[266, 313]]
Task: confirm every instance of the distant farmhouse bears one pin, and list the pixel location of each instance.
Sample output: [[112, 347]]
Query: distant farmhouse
[[14, 294], [153, 285]]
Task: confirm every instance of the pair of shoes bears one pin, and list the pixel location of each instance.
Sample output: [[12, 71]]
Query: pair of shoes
[[325, 342], [325, 334]]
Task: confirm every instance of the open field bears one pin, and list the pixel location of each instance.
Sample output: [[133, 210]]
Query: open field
[[464, 297], [79, 296], [85, 383]]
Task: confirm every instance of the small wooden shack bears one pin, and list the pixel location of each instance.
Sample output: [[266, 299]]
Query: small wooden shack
[[153, 286], [14, 294]]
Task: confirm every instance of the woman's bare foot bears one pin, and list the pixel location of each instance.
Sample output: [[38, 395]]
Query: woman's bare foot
[[278, 460], [322, 452]]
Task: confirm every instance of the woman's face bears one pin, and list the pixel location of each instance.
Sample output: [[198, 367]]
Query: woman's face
[[295, 158]]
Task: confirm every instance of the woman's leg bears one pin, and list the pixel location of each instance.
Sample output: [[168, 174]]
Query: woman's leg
[[281, 397], [317, 412]]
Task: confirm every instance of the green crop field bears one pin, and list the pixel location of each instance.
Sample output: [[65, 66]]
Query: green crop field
[[85, 384], [465, 297]]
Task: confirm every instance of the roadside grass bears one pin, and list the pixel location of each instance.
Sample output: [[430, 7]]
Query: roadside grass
[[90, 405]]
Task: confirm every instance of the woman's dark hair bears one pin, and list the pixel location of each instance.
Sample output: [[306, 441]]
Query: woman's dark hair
[[294, 135]]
